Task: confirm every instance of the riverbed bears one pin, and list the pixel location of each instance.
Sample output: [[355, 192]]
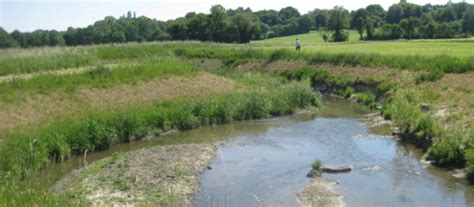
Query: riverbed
[[264, 163]]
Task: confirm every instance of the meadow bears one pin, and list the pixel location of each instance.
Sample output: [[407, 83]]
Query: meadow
[[126, 92], [313, 42]]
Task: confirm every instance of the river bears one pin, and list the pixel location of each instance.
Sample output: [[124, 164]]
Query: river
[[264, 163]]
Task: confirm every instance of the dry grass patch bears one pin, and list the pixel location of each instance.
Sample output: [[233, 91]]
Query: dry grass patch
[[149, 92], [68, 71], [455, 92], [42, 109]]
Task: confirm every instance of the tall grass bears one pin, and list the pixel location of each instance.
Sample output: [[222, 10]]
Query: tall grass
[[14, 193], [16, 61], [404, 108]]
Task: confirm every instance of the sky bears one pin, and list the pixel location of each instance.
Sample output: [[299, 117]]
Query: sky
[[29, 15]]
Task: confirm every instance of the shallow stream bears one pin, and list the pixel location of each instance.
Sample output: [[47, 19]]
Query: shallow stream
[[264, 163]]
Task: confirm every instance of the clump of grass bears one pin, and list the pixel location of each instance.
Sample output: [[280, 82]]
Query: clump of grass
[[315, 169], [316, 165], [366, 98], [450, 148], [431, 76], [15, 193], [404, 108]]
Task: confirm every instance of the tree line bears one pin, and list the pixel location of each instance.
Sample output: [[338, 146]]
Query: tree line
[[402, 20]]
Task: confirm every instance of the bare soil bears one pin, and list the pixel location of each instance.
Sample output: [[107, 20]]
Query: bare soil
[[319, 194], [160, 176]]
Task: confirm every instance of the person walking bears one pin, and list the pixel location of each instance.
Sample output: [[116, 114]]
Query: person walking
[[298, 45]]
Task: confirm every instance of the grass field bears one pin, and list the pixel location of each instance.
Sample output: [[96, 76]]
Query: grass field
[[446, 55], [118, 93], [313, 42]]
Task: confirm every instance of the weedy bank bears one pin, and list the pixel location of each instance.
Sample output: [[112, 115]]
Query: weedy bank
[[28, 151]]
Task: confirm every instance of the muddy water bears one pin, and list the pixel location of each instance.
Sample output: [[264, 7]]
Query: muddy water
[[264, 163]]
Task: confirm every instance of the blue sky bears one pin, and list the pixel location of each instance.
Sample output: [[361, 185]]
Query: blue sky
[[29, 15]]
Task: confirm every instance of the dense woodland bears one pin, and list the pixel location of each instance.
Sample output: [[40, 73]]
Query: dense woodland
[[402, 20]]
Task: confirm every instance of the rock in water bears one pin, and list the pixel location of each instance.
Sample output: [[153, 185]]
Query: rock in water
[[314, 173], [337, 169]]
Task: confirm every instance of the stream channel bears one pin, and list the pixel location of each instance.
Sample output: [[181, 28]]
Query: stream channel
[[264, 163]]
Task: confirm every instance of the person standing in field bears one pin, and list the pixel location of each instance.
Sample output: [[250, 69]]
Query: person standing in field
[[298, 45]]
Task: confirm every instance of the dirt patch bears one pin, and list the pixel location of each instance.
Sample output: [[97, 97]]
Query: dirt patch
[[206, 63], [148, 92], [160, 176], [319, 194], [283, 65], [68, 71], [44, 108]]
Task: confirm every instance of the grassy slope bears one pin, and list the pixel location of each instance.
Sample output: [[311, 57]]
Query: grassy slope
[[28, 150], [413, 54], [312, 42], [59, 143]]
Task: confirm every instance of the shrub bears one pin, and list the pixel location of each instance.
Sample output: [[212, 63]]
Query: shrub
[[366, 98], [449, 150]]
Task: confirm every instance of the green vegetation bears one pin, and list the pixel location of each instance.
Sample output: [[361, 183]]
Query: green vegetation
[[436, 57], [316, 165], [415, 126], [28, 151], [315, 169], [402, 20], [450, 150], [16, 61], [38, 71]]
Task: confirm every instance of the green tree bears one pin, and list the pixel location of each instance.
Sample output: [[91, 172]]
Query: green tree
[[369, 27], [56, 39], [269, 17], [305, 23], [429, 29], [359, 20], [409, 27], [178, 30], [288, 13], [447, 14], [245, 26], [468, 21], [19, 37], [321, 18], [376, 10], [395, 14], [70, 36], [338, 22], [217, 23], [6, 40], [198, 27]]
